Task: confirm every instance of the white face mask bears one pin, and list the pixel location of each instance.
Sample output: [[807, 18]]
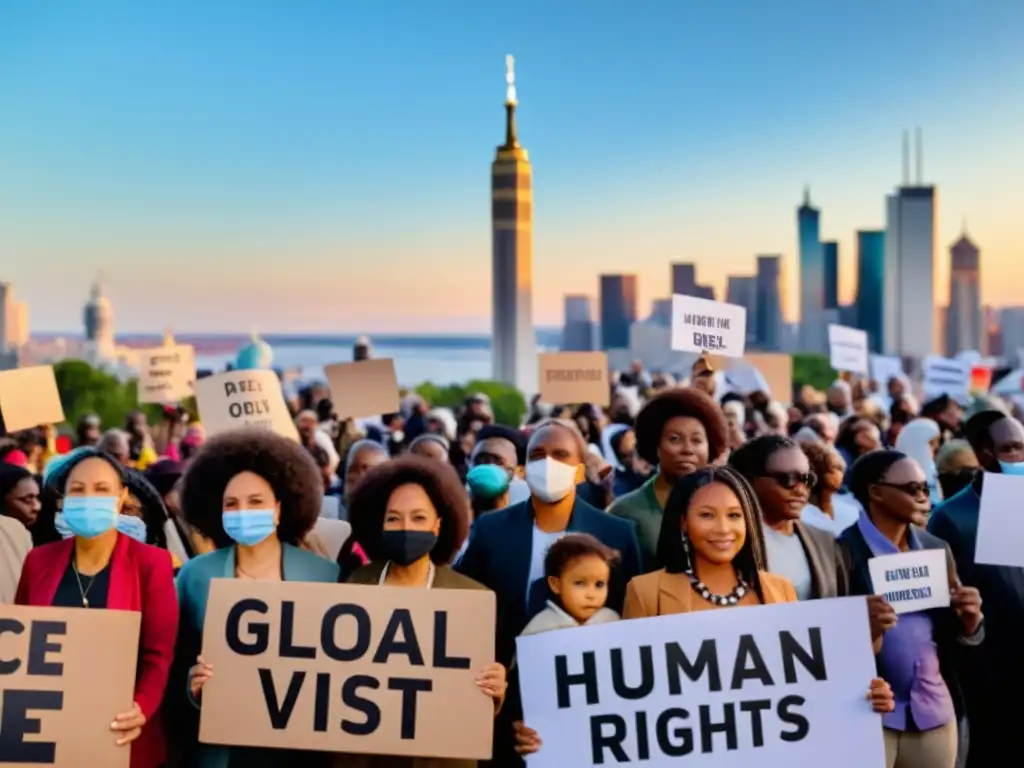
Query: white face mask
[[550, 480]]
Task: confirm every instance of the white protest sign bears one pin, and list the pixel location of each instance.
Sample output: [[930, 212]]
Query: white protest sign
[[884, 368], [1000, 538], [848, 349], [166, 373], [943, 376], [772, 686], [911, 581], [702, 325], [250, 398]]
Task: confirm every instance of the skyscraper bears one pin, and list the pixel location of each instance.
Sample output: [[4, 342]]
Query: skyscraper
[[871, 286], [768, 302], [964, 321], [514, 341], [830, 257], [742, 291], [618, 310], [813, 328], [909, 304], [684, 282], [578, 330], [6, 299]]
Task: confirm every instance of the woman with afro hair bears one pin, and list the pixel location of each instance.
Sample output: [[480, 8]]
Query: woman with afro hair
[[679, 430], [255, 495]]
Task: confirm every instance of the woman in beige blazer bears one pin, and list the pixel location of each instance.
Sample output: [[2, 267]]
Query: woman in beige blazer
[[15, 544], [411, 516]]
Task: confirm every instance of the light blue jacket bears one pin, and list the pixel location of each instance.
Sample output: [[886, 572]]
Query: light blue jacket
[[193, 584]]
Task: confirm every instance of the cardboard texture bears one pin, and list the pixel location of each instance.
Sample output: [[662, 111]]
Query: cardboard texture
[[77, 667], [166, 373], [29, 398], [777, 370], [243, 399], [574, 377], [337, 700], [364, 388]]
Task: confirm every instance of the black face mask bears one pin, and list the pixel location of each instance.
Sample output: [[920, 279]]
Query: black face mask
[[954, 482], [406, 547]]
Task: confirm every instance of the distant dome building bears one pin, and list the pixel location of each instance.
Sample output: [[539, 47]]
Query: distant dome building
[[98, 317]]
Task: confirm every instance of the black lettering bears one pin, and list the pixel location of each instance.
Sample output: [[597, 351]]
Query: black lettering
[[409, 687], [599, 741], [801, 726], [756, 708], [643, 745], [708, 729], [749, 664], [40, 644], [329, 628], [260, 631], [230, 388], [350, 698], [281, 713], [15, 725], [441, 658], [587, 678], [321, 705], [646, 684], [683, 745], [14, 627], [706, 663], [289, 650], [813, 661], [408, 646], [234, 410]]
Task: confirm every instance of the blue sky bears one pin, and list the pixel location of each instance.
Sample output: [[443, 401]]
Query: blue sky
[[323, 166]]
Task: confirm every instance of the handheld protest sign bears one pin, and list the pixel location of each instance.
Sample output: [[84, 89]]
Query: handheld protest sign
[[166, 373], [574, 377], [912, 581], [946, 376], [243, 399], [702, 325], [1000, 538], [29, 398], [65, 673], [364, 388], [848, 350], [348, 668]]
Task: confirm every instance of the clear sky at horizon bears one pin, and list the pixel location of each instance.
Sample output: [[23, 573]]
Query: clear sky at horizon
[[324, 166]]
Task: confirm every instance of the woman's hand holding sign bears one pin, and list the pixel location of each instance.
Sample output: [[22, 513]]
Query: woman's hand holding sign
[[493, 683], [966, 601], [527, 740], [129, 724], [200, 675], [881, 615], [882, 699]]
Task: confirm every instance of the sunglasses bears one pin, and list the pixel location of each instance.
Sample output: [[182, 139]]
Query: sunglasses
[[910, 489], [790, 480]]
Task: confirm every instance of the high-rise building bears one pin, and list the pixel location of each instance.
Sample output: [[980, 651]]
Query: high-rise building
[[830, 254], [768, 301], [578, 331], [17, 324], [684, 283], [871, 286], [1011, 330], [813, 328], [909, 303], [6, 299], [661, 312], [514, 342], [618, 310], [742, 291], [964, 323]]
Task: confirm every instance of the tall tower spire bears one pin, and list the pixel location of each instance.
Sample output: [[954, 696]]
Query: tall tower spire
[[918, 141], [511, 139], [906, 158], [807, 195]]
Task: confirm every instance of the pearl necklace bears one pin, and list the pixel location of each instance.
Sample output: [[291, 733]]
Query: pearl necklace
[[732, 598]]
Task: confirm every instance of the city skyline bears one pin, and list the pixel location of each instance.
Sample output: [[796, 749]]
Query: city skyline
[[217, 150]]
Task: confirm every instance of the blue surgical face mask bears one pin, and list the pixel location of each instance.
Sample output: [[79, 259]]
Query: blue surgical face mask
[[249, 527], [1015, 468], [61, 526], [90, 516], [133, 527], [487, 481]]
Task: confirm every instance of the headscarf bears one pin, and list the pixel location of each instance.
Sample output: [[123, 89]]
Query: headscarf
[[914, 440], [606, 443]]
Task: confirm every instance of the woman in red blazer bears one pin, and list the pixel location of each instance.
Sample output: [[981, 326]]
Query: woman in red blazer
[[100, 568]]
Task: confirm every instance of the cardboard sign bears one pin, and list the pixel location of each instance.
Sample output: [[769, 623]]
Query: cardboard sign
[[848, 349], [166, 373], [943, 376], [65, 673], [574, 377], [884, 368], [702, 325], [776, 370], [243, 399], [772, 686], [1000, 524], [912, 581], [29, 398], [348, 668], [364, 388]]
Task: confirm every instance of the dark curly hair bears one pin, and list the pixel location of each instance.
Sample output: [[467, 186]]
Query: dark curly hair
[[368, 503], [154, 511], [751, 459], [870, 469], [820, 456], [284, 464], [573, 547], [672, 553], [671, 404]]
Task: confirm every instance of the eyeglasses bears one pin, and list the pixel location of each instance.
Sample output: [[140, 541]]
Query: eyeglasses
[[911, 489], [790, 480]]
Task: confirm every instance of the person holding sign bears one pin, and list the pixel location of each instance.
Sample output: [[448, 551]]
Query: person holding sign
[[256, 495], [411, 516], [681, 431], [100, 568], [918, 652]]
